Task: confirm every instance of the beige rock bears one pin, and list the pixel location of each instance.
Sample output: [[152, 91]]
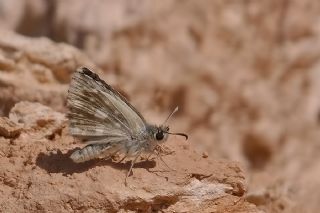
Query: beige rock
[[40, 173], [245, 75], [8, 129], [36, 70], [37, 116]]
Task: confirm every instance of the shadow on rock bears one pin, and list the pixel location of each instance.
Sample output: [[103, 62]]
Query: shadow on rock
[[61, 163]]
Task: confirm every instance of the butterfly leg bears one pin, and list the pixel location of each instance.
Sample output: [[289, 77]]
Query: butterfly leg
[[154, 151], [149, 156], [122, 159], [158, 150], [132, 163], [159, 155]]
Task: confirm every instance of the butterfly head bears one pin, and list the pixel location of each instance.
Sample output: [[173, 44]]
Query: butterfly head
[[160, 133]]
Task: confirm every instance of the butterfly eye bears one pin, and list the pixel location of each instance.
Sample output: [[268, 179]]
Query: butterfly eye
[[159, 136]]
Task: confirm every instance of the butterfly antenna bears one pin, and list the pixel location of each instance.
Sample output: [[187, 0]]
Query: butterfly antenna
[[174, 111], [171, 114]]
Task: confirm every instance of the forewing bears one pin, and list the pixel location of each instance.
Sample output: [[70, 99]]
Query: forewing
[[99, 113]]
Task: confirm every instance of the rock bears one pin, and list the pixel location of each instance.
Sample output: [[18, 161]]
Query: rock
[[50, 180], [9, 129], [37, 116], [205, 154], [36, 74], [245, 75]]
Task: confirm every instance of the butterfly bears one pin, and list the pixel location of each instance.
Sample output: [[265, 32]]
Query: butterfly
[[103, 118]]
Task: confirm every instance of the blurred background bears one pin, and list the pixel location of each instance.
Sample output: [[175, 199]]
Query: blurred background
[[245, 75]]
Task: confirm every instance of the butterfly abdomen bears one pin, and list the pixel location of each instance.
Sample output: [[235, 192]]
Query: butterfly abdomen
[[89, 152]]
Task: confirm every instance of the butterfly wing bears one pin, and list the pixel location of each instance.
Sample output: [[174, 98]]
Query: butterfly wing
[[98, 113]]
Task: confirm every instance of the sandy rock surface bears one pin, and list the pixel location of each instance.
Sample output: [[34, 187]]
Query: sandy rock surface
[[38, 175], [36, 70], [245, 75]]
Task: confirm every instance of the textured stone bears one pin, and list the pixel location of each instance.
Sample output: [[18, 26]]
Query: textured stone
[[9, 129], [50, 180]]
